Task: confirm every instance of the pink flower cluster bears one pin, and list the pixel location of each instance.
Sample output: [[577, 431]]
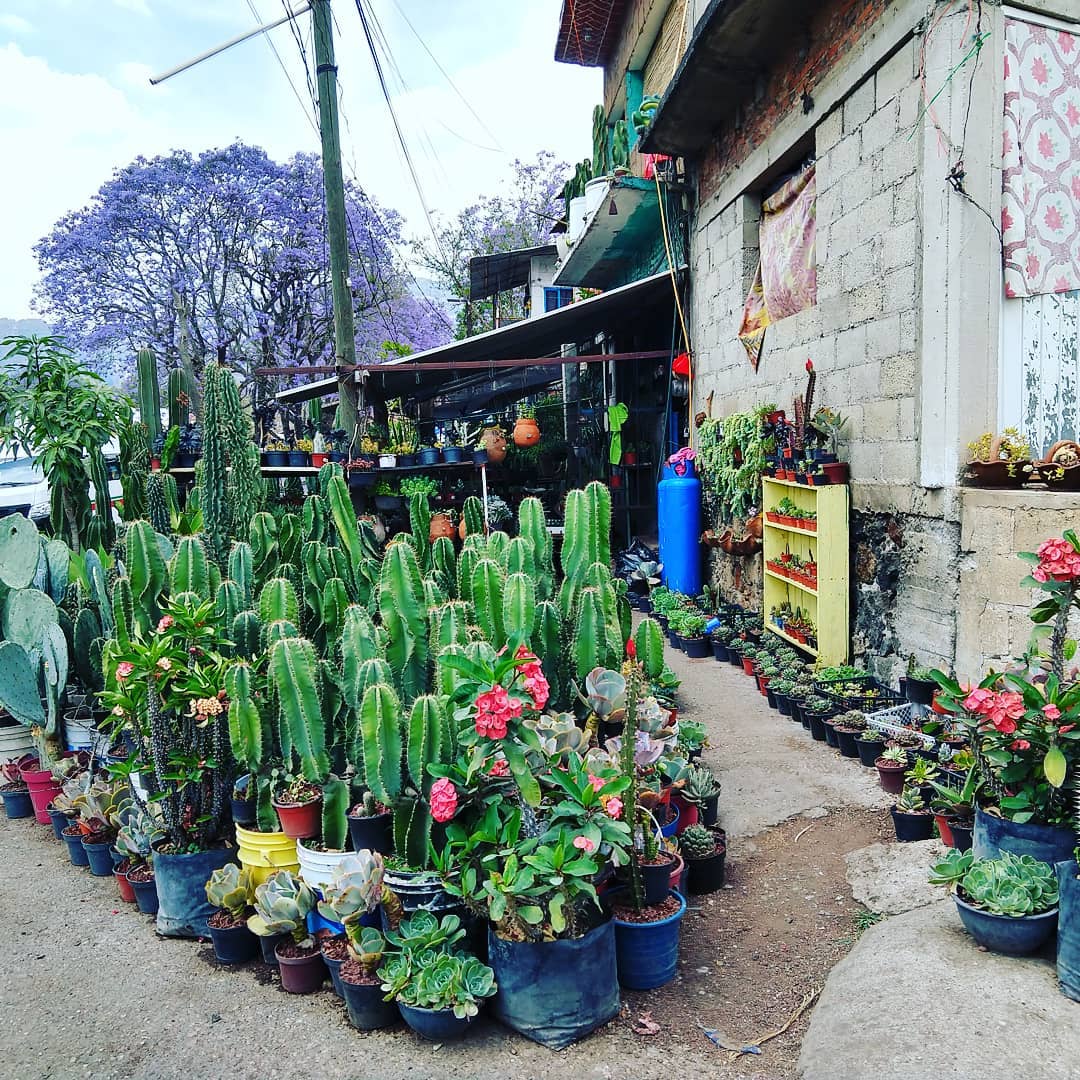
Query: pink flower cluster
[[1001, 709], [444, 800], [494, 710], [1058, 561], [536, 685]]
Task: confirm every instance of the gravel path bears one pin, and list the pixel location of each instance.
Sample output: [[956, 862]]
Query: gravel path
[[89, 990]]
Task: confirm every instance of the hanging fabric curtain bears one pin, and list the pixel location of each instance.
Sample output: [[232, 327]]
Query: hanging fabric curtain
[[1040, 210], [786, 278]]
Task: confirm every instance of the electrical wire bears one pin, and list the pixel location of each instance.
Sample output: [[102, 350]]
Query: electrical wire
[[678, 304]]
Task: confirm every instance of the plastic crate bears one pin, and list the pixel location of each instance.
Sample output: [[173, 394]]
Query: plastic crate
[[886, 698], [898, 719]]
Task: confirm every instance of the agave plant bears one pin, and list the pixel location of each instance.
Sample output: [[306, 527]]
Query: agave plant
[[282, 903], [229, 888]]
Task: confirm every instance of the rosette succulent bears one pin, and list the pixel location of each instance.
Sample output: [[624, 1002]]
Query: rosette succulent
[[282, 903], [353, 892], [697, 842], [229, 888]]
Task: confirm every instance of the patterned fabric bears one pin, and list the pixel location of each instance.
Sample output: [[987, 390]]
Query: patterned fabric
[[1040, 210], [786, 279]]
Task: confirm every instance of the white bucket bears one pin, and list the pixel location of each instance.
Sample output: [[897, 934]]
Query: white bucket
[[578, 217], [317, 867], [14, 742], [595, 190]]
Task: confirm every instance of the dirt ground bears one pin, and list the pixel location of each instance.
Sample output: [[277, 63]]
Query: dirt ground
[[89, 990]]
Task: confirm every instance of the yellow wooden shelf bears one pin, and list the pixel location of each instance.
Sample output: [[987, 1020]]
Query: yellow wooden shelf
[[787, 637], [788, 581], [790, 528], [829, 604]]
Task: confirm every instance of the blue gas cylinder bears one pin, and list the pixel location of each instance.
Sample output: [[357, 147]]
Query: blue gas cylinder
[[678, 513]]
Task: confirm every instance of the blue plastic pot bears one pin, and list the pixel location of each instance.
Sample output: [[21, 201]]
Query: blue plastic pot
[[183, 909], [1004, 933], [76, 851], [1068, 934], [275, 459], [438, 1025], [334, 967], [145, 896], [100, 859], [17, 804], [647, 954], [556, 992], [993, 835], [452, 455], [429, 455], [672, 826], [60, 821]]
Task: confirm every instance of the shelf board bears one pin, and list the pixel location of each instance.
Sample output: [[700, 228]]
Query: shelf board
[[788, 638], [790, 528], [788, 581], [801, 487], [266, 470]]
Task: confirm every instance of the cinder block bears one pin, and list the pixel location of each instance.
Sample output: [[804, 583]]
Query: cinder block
[[899, 289], [905, 423], [899, 374], [860, 266], [897, 73], [900, 462], [859, 105], [882, 336], [851, 348], [879, 419], [866, 301], [899, 246], [856, 187], [829, 131], [880, 129]]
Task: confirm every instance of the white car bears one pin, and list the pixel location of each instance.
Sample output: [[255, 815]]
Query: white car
[[24, 489]]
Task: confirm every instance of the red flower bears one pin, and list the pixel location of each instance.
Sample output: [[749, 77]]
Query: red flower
[[124, 670], [494, 710], [1005, 726], [1065, 727], [444, 801], [1019, 744], [1038, 71], [809, 364], [499, 767], [1051, 711], [631, 649]]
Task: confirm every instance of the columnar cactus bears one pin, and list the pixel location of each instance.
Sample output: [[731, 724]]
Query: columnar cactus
[[263, 538], [473, 512], [99, 477], [649, 644], [520, 557], [444, 565], [149, 391], [134, 470], [587, 538], [277, 601], [241, 571], [588, 644], [547, 643], [87, 650], [178, 390], [488, 584], [157, 504], [466, 566], [189, 571], [519, 608], [449, 625], [294, 672], [402, 609], [335, 808], [532, 526], [249, 735], [420, 525], [380, 730], [246, 634]]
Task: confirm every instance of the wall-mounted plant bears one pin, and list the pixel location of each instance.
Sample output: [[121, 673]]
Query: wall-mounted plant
[[731, 459]]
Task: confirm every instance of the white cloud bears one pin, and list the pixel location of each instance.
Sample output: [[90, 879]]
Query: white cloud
[[137, 6], [15, 24]]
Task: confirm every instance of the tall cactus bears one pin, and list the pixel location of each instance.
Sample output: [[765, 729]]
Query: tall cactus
[[466, 567], [520, 557], [587, 538], [532, 526], [449, 625], [335, 808], [380, 730], [314, 516], [401, 607], [149, 390], [157, 504], [246, 634], [427, 738], [263, 537], [488, 584], [294, 671], [420, 526], [277, 601], [473, 512], [99, 476], [134, 470], [519, 608], [189, 570], [358, 644], [444, 565], [249, 737], [241, 570], [649, 644], [628, 767], [87, 651], [178, 391], [588, 645], [547, 643]]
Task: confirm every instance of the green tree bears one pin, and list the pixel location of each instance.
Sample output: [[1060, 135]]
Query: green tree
[[61, 412]]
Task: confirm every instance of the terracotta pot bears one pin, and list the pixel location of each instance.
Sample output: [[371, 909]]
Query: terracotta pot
[[300, 821], [526, 432], [753, 527], [441, 526], [495, 444], [836, 471], [891, 777], [630, 457]]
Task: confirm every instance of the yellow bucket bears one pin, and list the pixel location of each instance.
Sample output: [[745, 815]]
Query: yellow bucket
[[264, 853]]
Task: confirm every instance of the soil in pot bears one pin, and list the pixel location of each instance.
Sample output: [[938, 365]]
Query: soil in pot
[[302, 968], [125, 888], [363, 996], [335, 951], [233, 942]]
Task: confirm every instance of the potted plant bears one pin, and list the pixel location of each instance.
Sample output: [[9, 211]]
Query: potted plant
[[428, 455], [1008, 904], [849, 727], [693, 640], [189, 446], [1000, 461], [319, 451], [15, 793], [230, 890], [298, 803], [386, 497], [891, 766], [98, 808], [646, 936], [920, 686], [526, 430], [493, 441], [701, 789], [134, 842], [955, 809], [361, 472], [832, 426], [704, 850], [300, 454], [1068, 938], [438, 988], [911, 816], [350, 899], [371, 825], [282, 903], [276, 454]]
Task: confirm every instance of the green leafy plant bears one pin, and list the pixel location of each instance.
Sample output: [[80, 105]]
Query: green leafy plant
[[1010, 885]]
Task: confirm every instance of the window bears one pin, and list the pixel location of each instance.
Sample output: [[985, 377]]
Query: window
[[557, 296]]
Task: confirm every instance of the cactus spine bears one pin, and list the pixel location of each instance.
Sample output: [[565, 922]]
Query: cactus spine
[[628, 766], [157, 505], [473, 512], [179, 398], [99, 476], [380, 730], [444, 565], [188, 569], [519, 608], [532, 526], [588, 646], [247, 734]]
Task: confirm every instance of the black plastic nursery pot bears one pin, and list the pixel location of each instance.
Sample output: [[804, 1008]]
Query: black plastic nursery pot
[[707, 875], [720, 651], [244, 811], [846, 740], [372, 833], [17, 803], [831, 738], [771, 698], [269, 945], [869, 752], [783, 703], [365, 1006], [817, 725], [920, 691], [709, 811], [734, 658], [234, 944], [436, 1025], [656, 880], [555, 992], [696, 648], [911, 827]]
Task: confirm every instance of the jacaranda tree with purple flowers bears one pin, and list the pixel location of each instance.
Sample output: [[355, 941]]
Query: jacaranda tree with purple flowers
[[186, 253], [520, 217]]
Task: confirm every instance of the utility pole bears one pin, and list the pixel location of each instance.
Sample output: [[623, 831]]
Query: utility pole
[[333, 189], [336, 225]]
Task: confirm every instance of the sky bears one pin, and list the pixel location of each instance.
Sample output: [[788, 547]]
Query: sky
[[76, 103]]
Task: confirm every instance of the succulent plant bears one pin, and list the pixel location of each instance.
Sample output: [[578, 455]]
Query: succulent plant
[[282, 903], [697, 842], [559, 735], [700, 785], [229, 888], [605, 692], [894, 755], [354, 890], [852, 720]]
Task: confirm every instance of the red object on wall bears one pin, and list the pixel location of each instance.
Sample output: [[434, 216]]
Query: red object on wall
[[681, 364]]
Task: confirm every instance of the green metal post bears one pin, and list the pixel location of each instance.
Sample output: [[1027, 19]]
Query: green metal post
[[336, 228]]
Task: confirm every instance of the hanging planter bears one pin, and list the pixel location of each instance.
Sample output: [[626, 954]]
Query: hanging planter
[[526, 431]]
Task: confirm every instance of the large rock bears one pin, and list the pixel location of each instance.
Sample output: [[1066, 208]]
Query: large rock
[[916, 999], [891, 878]]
